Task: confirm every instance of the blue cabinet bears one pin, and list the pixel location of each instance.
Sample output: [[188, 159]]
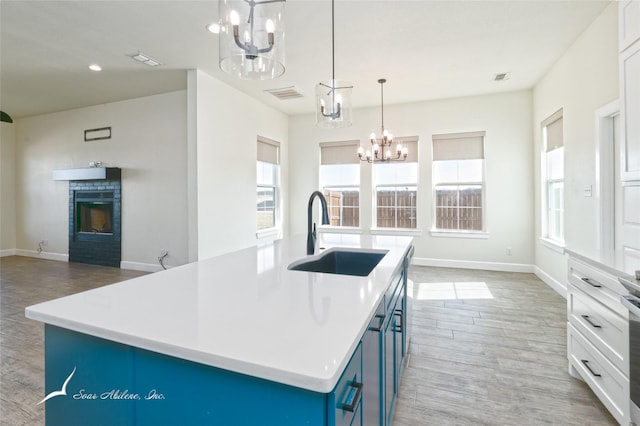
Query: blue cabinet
[[116, 384], [119, 384], [373, 368], [384, 351]]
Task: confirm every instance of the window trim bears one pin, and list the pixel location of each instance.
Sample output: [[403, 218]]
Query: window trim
[[339, 227], [464, 233], [375, 205], [336, 151], [547, 240], [276, 230], [460, 139]]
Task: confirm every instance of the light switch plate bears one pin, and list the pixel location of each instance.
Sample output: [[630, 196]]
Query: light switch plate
[[587, 190]]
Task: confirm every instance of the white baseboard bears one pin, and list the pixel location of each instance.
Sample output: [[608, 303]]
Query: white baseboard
[[136, 266], [144, 267], [470, 264], [559, 287], [43, 255]]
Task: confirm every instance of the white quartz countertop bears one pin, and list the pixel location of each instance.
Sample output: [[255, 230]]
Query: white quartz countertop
[[243, 311], [616, 262]]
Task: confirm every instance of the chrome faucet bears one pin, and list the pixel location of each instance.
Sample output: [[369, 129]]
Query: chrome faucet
[[311, 233]]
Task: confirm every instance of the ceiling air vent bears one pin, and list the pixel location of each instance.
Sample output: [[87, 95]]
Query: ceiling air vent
[[501, 77], [284, 93]]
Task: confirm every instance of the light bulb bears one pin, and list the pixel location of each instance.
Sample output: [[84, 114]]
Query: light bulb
[[376, 148], [368, 155], [214, 28], [338, 99], [388, 154], [360, 151], [405, 151], [322, 103], [372, 136], [271, 27], [234, 18], [385, 133], [399, 148], [390, 137]]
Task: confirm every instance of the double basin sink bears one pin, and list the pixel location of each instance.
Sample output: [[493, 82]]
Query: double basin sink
[[341, 261]]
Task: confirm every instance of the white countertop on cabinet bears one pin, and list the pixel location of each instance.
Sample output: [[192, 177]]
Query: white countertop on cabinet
[[616, 262], [243, 311]]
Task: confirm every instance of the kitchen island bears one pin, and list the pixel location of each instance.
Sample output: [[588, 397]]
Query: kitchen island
[[235, 339]]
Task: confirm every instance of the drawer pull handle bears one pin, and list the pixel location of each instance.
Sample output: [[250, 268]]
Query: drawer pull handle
[[378, 329], [594, 325], [398, 327], [353, 397], [586, 364], [588, 281]]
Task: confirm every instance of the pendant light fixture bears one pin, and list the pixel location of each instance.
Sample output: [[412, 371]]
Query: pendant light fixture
[[381, 148], [252, 38], [333, 98]]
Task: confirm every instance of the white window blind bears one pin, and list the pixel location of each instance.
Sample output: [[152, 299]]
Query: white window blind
[[268, 151], [343, 152], [554, 129], [411, 142], [458, 146]]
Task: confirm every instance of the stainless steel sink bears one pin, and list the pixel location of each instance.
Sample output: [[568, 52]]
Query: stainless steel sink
[[341, 261]]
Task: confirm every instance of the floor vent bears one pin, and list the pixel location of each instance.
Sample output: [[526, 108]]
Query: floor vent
[[284, 93]]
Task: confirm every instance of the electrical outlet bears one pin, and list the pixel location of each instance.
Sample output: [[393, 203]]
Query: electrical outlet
[[508, 251]]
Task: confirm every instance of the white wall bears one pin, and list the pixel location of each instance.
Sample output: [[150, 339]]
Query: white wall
[[506, 118], [227, 125], [7, 188], [583, 80], [149, 143]]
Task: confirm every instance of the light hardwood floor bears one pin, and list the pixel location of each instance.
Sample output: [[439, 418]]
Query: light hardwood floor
[[487, 347]]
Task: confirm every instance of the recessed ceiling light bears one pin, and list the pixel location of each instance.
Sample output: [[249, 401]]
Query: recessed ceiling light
[[146, 59], [214, 28], [95, 67]]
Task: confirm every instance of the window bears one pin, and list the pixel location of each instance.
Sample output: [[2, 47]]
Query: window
[[553, 178], [396, 189], [268, 180], [340, 182], [458, 182]]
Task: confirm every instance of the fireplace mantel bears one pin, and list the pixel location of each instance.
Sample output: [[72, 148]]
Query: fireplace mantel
[[90, 173]]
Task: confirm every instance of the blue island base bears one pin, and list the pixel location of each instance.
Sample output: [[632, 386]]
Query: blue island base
[[112, 384]]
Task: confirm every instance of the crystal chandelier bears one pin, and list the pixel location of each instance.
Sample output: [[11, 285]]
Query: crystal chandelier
[[252, 38], [381, 148], [333, 98]]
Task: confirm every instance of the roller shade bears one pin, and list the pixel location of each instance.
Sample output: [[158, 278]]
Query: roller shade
[[343, 152], [411, 142], [268, 151], [458, 146], [554, 126]]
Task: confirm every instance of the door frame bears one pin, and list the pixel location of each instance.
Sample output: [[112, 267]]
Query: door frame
[[605, 179]]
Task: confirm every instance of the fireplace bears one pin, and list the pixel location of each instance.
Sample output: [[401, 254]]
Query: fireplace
[[94, 212], [95, 220]]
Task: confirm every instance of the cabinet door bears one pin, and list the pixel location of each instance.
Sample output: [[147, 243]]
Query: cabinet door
[[372, 368], [628, 23], [389, 368], [630, 87]]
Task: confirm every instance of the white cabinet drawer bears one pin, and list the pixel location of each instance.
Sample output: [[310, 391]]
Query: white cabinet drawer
[[604, 379], [606, 330], [601, 286]]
